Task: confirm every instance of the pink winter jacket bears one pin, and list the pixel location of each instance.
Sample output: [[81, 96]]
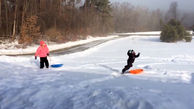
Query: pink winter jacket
[[42, 50]]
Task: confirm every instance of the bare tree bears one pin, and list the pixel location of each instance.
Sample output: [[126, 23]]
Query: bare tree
[[172, 12], [128, 18], [0, 14], [15, 16]]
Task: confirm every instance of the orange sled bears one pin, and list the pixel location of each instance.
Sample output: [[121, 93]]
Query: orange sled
[[136, 71]]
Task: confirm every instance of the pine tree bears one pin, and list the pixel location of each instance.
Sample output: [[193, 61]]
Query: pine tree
[[173, 31]]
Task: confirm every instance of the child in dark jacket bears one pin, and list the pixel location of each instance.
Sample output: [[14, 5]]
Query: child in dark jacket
[[42, 52], [130, 60]]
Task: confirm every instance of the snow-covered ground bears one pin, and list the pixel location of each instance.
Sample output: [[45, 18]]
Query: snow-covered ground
[[12, 49], [90, 79]]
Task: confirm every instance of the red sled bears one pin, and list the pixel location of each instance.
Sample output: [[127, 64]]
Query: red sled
[[136, 71]]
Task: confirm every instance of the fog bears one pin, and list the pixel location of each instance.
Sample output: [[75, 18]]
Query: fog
[[183, 5]]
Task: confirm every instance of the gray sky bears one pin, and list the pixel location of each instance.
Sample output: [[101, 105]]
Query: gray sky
[[187, 5]]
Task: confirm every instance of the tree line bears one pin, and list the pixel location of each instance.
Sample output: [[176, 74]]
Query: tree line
[[54, 20], [28, 21], [128, 18]]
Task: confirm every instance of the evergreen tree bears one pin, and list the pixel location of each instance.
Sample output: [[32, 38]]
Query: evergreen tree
[[173, 31]]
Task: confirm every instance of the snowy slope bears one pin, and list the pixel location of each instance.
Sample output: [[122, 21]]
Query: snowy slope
[[91, 79]]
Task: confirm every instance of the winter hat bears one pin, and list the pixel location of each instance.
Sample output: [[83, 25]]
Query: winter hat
[[131, 51], [42, 42]]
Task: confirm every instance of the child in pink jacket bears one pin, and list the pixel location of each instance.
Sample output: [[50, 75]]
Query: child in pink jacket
[[42, 52]]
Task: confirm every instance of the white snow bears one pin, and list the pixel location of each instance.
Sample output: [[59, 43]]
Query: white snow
[[11, 48], [91, 79], [142, 33]]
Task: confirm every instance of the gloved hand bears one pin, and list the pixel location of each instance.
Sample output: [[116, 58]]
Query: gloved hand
[[47, 54], [35, 57]]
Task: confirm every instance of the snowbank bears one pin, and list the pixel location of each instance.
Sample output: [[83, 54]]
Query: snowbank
[[10, 49]]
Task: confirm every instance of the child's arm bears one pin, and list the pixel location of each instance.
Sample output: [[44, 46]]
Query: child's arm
[[37, 52], [137, 55]]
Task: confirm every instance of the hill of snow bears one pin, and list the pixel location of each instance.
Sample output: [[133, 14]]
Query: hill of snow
[[91, 79]]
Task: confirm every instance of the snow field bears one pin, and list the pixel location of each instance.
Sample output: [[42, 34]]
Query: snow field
[[90, 79]]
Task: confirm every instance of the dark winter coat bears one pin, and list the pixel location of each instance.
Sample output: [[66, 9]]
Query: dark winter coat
[[132, 57]]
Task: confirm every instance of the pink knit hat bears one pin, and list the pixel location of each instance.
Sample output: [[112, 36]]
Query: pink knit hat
[[42, 42]]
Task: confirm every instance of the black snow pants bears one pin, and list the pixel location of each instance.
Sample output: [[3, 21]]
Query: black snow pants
[[44, 60], [129, 65]]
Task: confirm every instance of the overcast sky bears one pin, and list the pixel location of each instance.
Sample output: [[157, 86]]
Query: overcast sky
[[187, 5]]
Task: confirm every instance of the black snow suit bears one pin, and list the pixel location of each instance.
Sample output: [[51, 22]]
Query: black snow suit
[[130, 60]]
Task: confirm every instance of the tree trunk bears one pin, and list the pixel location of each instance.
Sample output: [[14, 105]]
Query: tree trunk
[[24, 11], [6, 19], [0, 15], [15, 16]]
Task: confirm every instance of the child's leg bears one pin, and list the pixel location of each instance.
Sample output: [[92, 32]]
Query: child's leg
[[126, 68], [41, 63], [46, 63]]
